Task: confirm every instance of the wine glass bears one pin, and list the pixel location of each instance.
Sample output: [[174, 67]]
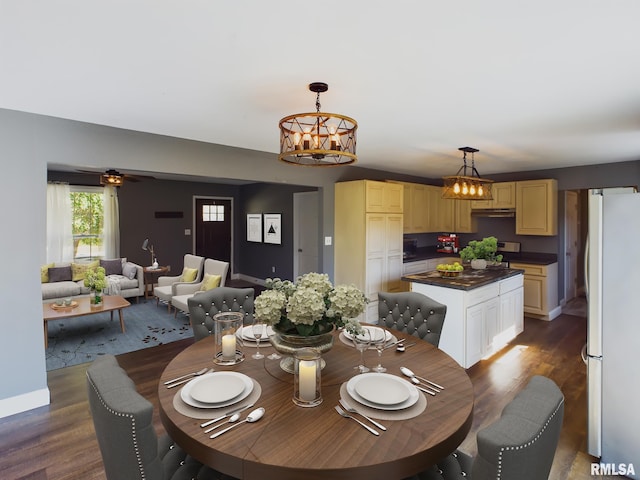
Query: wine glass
[[378, 338], [362, 341], [257, 329]]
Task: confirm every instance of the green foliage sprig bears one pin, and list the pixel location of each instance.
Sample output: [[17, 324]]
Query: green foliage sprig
[[485, 248]]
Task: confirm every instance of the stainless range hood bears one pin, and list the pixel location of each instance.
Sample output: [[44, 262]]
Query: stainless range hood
[[494, 212]]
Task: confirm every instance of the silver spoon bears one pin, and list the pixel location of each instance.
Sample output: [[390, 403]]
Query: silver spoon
[[409, 373], [194, 374], [254, 416], [233, 419]]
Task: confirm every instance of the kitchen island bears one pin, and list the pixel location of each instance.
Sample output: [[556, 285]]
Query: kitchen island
[[484, 309]]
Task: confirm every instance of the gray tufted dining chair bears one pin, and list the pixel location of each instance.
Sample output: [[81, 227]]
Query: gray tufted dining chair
[[123, 420], [205, 305], [412, 313], [520, 445]]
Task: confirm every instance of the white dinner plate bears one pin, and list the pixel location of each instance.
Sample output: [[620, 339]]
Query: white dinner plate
[[382, 391], [376, 332], [246, 333], [224, 384]]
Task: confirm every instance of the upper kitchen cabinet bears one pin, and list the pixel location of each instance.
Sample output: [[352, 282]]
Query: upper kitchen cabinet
[[368, 244], [455, 216], [504, 196], [415, 208], [537, 207], [383, 197]]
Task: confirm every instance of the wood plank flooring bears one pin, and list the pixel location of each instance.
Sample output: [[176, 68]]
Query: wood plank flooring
[[58, 442]]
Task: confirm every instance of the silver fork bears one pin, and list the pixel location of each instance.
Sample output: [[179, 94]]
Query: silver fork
[[350, 409], [346, 415]]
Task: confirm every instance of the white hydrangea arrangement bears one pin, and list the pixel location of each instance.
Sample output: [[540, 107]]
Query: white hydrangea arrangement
[[310, 306]]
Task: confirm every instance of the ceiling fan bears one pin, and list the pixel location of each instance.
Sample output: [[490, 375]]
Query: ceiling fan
[[115, 178]]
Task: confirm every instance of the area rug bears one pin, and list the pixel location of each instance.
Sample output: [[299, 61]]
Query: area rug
[[82, 339]]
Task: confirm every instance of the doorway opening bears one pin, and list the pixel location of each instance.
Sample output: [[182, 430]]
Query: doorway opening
[[213, 229]]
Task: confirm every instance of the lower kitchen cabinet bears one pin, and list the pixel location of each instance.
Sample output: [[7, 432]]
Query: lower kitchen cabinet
[[540, 290]]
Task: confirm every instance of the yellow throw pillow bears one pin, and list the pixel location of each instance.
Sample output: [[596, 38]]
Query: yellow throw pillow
[[210, 281], [78, 270], [44, 272], [189, 274]]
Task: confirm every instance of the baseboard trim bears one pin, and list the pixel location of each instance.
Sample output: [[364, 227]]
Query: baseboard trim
[[247, 278], [552, 315], [26, 401]]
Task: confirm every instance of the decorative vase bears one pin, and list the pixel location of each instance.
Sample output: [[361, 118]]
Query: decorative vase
[[478, 263], [154, 265], [95, 298], [289, 343]]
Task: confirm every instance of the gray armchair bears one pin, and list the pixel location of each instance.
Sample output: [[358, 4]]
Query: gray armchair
[[205, 305], [166, 288], [123, 421], [519, 446], [412, 313]]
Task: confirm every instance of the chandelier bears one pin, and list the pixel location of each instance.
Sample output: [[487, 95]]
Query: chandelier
[[467, 184], [318, 139], [111, 177]]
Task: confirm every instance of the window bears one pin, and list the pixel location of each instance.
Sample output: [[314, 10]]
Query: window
[[213, 213], [87, 209]]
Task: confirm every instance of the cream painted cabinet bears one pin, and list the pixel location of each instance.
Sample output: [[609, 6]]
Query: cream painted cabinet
[[368, 244], [537, 207], [504, 196], [540, 289], [415, 207], [455, 216]]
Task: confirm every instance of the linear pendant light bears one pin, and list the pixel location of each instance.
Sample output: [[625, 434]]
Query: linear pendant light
[[467, 183]]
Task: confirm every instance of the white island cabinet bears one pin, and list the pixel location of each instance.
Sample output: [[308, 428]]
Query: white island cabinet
[[483, 313]]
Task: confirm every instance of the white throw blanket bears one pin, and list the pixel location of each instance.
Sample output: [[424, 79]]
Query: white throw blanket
[[114, 284]]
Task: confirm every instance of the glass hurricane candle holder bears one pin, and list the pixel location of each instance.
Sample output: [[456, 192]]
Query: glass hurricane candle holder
[[228, 348], [306, 377]]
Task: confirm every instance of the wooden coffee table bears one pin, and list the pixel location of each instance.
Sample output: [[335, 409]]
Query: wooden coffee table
[[82, 307]]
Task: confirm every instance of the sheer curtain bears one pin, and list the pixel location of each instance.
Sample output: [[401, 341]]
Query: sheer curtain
[[111, 237], [59, 228]]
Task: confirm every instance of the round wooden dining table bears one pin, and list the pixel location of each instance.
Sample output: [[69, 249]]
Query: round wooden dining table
[[293, 443]]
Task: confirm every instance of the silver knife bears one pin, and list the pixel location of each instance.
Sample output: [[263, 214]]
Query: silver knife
[[350, 408], [228, 414]]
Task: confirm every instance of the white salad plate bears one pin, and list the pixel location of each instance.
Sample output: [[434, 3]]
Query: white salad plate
[[246, 333], [375, 332], [216, 390], [382, 391]]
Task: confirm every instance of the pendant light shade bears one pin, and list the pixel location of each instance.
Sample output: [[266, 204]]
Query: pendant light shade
[[467, 183], [318, 139]]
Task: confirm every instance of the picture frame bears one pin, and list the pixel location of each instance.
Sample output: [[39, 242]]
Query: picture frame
[[272, 228], [254, 227]]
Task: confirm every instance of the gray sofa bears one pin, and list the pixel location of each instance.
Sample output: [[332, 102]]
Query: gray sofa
[[126, 281]]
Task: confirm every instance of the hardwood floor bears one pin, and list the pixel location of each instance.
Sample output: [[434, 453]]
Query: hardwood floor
[[58, 441]]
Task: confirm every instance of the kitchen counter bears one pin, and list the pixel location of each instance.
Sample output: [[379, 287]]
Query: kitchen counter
[[467, 280], [534, 258]]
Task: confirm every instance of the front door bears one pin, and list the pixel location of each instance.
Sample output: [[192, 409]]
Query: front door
[[213, 228]]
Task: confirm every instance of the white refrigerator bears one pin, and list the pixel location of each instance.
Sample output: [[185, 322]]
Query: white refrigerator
[[613, 326]]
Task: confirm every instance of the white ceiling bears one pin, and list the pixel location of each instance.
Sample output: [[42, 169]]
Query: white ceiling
[[533, 85]]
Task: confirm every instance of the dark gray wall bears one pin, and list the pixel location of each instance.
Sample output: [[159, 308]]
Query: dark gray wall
[[259, 259]]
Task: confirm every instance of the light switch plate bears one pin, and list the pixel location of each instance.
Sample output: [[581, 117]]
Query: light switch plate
[[327, 241], [187, 231]]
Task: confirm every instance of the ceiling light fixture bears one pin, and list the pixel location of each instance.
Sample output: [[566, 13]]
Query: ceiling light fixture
[[111, 177], [467, 184], [318, 139]]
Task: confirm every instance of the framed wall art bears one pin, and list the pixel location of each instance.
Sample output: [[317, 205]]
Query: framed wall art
[[272, 228], [254, 227]]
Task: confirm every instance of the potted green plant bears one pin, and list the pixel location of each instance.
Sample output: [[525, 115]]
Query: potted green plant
[[481, 252]]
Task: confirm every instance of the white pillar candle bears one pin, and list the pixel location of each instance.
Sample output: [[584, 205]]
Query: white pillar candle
[[307, 379], [229, 347]]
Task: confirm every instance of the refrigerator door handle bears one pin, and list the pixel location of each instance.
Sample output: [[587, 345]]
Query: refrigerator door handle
[[583, 354]]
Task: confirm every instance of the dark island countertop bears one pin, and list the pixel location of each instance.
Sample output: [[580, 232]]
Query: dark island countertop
[[535, 258], [467, 280]]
